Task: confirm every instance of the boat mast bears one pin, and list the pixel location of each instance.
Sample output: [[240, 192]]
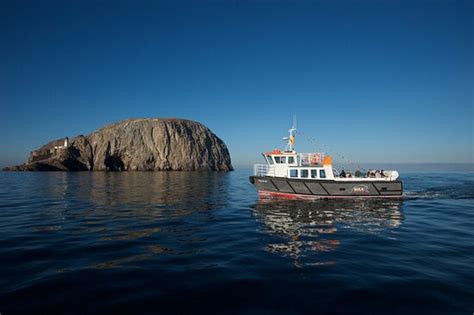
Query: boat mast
[[290, 146]]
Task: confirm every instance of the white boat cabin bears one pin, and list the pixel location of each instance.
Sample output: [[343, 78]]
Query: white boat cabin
[[310, 166], [295, 165], [289, 164]]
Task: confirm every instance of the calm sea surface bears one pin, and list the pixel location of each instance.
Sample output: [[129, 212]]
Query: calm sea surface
[[176, 242]]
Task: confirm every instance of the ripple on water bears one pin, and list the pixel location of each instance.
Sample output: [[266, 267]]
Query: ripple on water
[[175, 242]]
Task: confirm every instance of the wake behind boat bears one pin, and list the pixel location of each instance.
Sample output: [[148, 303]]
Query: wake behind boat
[[311, 175]]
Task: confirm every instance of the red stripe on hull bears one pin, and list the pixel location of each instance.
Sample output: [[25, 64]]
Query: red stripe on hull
[[264, 193]]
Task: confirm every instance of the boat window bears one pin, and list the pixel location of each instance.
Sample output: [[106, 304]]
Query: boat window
[[291, 160], [293, 173], [280, 159], [314, 173], [270, 160], [304, 173], [322, 174]]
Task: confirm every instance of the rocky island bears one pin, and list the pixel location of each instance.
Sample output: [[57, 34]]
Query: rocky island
[[135, 145]]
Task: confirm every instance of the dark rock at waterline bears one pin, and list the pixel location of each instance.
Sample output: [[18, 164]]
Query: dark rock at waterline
[[135, 145]]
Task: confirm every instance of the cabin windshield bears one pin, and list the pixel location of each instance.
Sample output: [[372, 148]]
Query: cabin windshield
[[269, 159], [280, 159]]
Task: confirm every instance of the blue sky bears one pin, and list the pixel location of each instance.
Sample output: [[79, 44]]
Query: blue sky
[[373, 81]]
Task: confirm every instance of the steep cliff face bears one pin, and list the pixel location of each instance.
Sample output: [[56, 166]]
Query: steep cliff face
[[138, 145]]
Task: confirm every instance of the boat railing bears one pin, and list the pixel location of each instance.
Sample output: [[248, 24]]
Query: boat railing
[[263, 170], [309, 159]]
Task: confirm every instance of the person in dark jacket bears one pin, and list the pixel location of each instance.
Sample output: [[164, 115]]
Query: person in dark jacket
[[342, 174]]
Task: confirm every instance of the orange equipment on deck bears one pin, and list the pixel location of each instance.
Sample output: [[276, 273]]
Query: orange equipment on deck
[[327, 160]]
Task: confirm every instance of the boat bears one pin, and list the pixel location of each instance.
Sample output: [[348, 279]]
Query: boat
[[294, 175]]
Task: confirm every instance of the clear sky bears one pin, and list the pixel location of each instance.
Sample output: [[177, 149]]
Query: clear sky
[[374, 81]]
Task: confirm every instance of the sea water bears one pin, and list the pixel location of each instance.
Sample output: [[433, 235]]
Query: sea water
[[199, 242]]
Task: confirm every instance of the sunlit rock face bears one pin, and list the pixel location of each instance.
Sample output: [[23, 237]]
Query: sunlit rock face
[[135, 145]]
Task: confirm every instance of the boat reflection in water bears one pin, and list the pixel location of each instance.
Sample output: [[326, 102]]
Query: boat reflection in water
[[312, 231]]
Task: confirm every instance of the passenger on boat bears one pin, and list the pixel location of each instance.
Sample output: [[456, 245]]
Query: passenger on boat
[[342, 174], [358, 173]]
